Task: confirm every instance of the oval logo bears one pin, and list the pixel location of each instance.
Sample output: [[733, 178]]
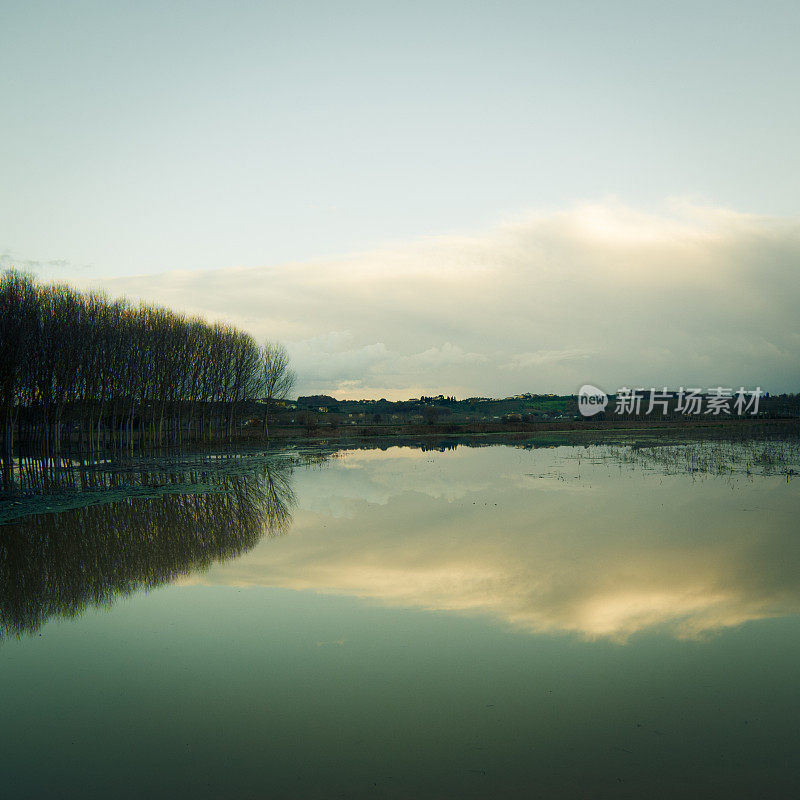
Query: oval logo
[[591, 400]]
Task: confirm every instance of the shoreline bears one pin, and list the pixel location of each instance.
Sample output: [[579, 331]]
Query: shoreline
[[55, 485]]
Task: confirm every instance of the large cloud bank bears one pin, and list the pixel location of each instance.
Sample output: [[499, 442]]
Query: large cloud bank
[[601, 294]]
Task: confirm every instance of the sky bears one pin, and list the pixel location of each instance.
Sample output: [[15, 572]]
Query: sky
[[460, 197]]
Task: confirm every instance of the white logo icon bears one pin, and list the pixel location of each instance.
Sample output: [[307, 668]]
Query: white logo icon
[[591, 400]]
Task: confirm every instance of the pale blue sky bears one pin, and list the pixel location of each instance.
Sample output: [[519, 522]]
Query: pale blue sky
[[465, 197], [143, 136]]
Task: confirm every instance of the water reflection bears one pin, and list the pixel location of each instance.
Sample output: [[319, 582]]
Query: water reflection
[[58, 565], [603, 542], [554, 540]]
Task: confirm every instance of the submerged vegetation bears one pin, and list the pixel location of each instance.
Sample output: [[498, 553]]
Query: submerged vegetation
[[778, 456]]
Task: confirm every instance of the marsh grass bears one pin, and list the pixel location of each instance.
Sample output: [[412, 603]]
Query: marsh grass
[[764, 457]]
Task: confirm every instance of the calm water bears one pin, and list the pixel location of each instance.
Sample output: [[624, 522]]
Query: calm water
[[480, 622]]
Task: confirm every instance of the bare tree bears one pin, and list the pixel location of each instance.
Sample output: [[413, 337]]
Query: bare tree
[[79, 368], [277, 378]]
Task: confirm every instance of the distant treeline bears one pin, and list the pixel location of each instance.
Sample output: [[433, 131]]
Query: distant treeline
[[81, 370]]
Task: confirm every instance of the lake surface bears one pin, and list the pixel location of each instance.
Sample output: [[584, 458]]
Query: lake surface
[[404, 623]]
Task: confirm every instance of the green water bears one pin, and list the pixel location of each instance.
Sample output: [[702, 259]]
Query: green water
[[487, 622]]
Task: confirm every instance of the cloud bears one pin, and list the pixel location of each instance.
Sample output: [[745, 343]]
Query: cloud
[[46, 270], [601, 293], [541, 357], [448, 355], [335, 358]]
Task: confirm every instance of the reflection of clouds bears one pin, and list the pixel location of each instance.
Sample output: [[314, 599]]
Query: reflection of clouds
[[357, 480], [617, 555], [356, 458]]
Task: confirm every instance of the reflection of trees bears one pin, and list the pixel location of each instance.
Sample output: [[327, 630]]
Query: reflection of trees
[[275, 486], [58, 565]]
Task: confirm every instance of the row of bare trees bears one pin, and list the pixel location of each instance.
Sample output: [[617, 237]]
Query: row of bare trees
[[80, 370]]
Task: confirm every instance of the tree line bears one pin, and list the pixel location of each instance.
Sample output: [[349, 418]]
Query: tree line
[[78, 369]]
